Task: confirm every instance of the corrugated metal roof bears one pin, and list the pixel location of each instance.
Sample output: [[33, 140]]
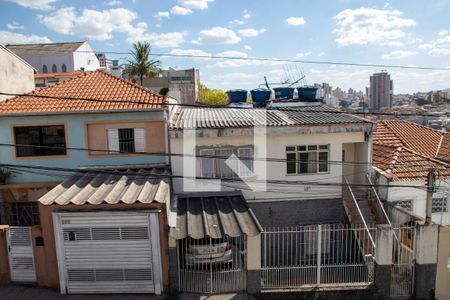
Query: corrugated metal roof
[[214, 215], [44, 49], [189, 118], [94, 187]]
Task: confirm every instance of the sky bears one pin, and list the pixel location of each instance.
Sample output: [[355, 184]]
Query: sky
[[407, 32]]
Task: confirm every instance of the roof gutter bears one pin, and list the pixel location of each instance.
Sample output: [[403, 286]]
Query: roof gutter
[[50, 113]]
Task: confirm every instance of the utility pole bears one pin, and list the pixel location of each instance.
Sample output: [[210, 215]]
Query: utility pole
[[430, 189]]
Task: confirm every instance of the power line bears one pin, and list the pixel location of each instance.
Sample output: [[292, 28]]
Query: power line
[[263, 59], [137, 174], [163, 103], [224, 157]]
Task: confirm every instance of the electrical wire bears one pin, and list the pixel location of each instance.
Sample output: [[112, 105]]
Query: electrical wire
[[263, 59], [164, 103]]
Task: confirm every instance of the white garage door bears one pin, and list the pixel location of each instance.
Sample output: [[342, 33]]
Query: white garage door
[[108, 252]]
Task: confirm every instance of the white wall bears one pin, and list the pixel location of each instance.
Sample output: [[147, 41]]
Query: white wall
[[417, 196], [16, 76], [38, 61], [276, 148], [85, 58]]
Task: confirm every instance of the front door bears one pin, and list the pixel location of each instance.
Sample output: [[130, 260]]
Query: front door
[[21, 259]]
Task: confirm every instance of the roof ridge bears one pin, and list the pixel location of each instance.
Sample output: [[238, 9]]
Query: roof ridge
[[394, 133], [133, 84], [425, 156], [34, 44], [83, 73]]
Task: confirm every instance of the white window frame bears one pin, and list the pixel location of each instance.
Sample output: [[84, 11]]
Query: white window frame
[[114, 142], [296, 150], [213, 152]]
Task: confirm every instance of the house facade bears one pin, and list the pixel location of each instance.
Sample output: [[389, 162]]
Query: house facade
[[303, 148], [16, 75], [58, 57], [91, 148]]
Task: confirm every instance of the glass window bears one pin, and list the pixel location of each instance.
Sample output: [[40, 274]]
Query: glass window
[[63, 68], [126, 140], [222, 169], [246, 158], [310, 159], [44, 69], [207, 163], [54, 69], [40, 140], [215, 165], [22, 214]]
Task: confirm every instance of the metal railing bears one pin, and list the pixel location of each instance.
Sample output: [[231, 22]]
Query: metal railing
[[317, 256], [352, 203], [380, 206]]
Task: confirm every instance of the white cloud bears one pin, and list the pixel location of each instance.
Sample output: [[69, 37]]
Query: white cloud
[[8, 37], [295, 21], [439, 51], [178, 10], [195, 4], [443, 40], [194, 52], [237, 62], [236, 22], [217, 35], [248, 47], [100, 25], [425, 46], [247, 15], [364, 26], [302, 54], [399, 54], [250, 32], [114, 3], [394, 44], [35, 4], [320, 54], [162, 14], [442, 32], [14, 25]]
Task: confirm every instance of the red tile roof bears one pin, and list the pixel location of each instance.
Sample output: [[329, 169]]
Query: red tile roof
[[404, 164], [421, 139], [407, 151], [98, 89]]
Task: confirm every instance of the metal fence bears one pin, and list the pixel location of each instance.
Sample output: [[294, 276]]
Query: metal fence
[[403, 256], [212, 265], [305, 257]]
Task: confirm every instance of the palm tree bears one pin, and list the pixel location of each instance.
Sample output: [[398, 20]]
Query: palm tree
[[140, 64]]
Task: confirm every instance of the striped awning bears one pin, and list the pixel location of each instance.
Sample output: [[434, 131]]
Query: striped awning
[[214, 215], [115, 186]]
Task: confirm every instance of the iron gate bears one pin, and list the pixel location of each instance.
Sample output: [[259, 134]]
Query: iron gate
[[402, 278], [20, 252], [212, 265], [314, 256]]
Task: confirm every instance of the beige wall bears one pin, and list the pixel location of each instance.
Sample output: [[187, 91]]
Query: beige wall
[[16, 76], [154, 135], [443, 271], [276, 145]]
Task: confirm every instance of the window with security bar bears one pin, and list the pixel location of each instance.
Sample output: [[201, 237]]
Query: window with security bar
[[213, 162], [406, 204], [22, 214], [126, 140], [439, 205], [307, 159]]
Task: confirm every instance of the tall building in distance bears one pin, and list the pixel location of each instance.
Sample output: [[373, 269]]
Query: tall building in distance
[[381, 91]]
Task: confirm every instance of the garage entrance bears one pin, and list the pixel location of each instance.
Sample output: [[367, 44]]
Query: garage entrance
[[108, 252]]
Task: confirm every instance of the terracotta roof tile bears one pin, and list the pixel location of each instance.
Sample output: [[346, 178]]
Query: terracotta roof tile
[[421, 139], [404, 164], [95, 85]]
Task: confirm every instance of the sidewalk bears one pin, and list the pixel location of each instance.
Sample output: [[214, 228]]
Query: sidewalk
[[19, 292]]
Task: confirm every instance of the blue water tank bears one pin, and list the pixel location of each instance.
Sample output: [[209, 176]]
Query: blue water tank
[[284, 92], [260, 95], [235, 96], [307, 92]]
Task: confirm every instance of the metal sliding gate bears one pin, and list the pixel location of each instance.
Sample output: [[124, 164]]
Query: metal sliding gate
[[212, 265], [403, 256], [20, 251], [315, 256]]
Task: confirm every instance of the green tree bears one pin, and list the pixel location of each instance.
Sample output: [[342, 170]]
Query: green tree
[[212, 96], [140, 65]]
